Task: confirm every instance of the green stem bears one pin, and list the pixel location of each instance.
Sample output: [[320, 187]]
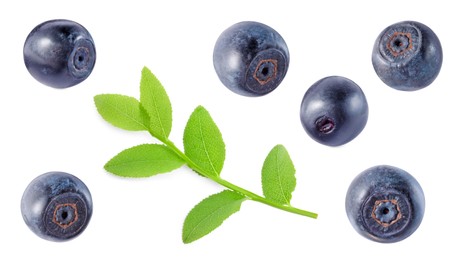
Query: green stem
[[256, 197], [231, 186]]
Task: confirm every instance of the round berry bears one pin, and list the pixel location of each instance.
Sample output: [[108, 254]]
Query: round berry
[[334, 111], [59, 53], [251, 58], [57, 206], [385, 204], [407, 56]]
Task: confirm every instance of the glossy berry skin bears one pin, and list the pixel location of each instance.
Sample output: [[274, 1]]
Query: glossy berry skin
[[407, 56], [385, 204], [57, 206], [334, 111], [251, 58], [59, 53]]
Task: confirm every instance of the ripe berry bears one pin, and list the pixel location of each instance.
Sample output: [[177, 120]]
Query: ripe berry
[[57, 206], [407, 56], [385, 204], [334, 111], [59, 53], [251, 58]]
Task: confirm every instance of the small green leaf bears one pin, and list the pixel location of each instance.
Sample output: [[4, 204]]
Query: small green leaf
[[278, 176], [210, 213], [203, 142], [143, 161], [157, 104], [122, 111]]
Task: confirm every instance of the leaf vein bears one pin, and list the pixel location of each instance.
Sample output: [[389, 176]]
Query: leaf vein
[[279, 177], [128, 115], [212, 214], [205, 147], [158, 117]]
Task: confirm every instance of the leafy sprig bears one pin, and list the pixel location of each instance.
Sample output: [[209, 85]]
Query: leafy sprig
[[204, 152]]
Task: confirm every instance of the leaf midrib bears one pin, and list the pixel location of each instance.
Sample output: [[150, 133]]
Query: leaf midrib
[[157, 114], [202, 139], [212, 214], [129, 115], [278, 166]]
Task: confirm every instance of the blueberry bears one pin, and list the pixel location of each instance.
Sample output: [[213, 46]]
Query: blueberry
[[385, 204], [251, 58], [59, 53], [407, 56], [57, 206], [334, 111]]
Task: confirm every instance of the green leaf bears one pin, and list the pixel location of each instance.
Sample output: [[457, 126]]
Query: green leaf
[[157, 104], [143, 161], [210, 213], [278, 176], [203, 142], [122, 111]]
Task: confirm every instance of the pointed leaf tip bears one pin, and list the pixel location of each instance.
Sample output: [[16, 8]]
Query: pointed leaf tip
[[157, 104]]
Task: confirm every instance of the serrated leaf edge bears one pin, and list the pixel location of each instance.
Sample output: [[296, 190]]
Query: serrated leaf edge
[[165, 132], [144, 176], [97, 99], [278, 149], [239, 202], [214, 167]]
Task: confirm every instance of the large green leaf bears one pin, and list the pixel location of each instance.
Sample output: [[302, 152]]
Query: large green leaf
[[157, 104], [203, 142], [143, 161], [210, 213], [278, 176], [122, 111]]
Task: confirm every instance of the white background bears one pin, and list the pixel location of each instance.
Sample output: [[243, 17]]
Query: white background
[[45, 129]]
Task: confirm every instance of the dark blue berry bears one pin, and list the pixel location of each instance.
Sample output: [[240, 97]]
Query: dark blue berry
[[57, 206], [334, 111], [385, 204], [59, 53], [251, 58], [407, 56]]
